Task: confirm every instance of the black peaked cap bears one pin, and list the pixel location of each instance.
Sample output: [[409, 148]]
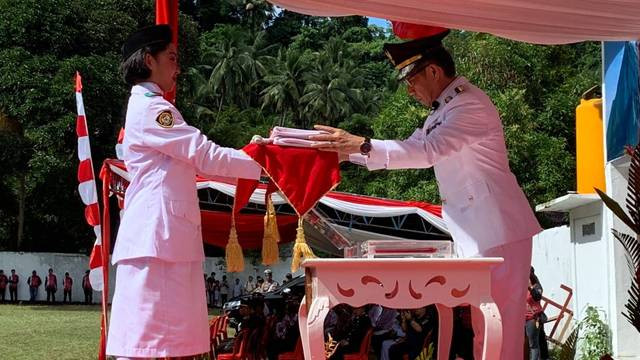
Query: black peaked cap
[[151, 35], [406, 53]]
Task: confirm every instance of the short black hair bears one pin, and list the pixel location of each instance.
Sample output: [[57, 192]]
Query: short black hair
[[441, 57], [134, 69]]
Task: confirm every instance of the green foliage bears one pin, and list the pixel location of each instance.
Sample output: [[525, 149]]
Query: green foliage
[[234, 126], [42, 45], [595, 339], [568, 349], [245, 69]]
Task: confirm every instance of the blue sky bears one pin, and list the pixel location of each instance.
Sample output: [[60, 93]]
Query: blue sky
[[379, 22]]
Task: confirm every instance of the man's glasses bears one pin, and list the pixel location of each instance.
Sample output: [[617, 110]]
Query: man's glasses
[[411, 71]]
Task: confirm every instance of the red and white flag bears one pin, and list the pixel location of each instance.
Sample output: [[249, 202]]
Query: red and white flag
[[88, 190]]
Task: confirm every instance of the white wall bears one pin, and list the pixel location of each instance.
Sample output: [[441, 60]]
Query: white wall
[[76, 265], [591, 259], [626, 339], [25, 263], [552, 258], [595, 267]]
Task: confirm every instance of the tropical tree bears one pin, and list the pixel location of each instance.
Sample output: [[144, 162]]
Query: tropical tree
[[285, 85], [231, 69], [333, 88]]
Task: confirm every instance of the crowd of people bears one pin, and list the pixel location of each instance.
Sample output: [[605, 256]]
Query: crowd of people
[[34, 282], [270, 328], [220, 291]]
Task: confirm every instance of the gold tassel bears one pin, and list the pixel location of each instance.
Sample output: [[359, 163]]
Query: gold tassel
[[233, 253], [300, 250], [271, 238]]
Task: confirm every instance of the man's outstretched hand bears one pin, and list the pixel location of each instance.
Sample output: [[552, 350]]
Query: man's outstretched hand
[[337, 140]]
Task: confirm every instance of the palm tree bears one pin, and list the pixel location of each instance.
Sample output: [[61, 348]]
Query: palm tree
[[285, 85], [223, 68], [254, 59], [333, 89], [230, 71]]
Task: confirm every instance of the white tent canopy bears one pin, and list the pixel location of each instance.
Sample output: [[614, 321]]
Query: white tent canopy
[[534, 21]]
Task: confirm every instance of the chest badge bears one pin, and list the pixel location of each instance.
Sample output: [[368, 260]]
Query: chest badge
[[165, 119], [432, 127]]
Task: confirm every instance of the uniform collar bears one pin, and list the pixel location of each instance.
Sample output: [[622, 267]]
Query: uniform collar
[[454, 88], [147, 88]]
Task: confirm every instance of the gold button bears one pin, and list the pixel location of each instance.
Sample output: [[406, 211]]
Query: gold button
[[470, 197]]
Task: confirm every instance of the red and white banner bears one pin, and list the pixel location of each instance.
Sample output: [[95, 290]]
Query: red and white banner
[[87, 189], [349, 203]]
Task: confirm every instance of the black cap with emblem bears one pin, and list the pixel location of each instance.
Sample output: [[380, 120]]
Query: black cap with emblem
[[157, 34], [405, 56]]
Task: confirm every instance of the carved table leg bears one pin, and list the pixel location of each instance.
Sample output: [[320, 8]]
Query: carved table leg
[[312, 327], [445, 331], [492, 331], [302, 325]]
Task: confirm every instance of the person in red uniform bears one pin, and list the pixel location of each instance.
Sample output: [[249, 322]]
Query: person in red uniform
[[13, 285], [87, 288], [67, 284], [51, 286], [533, 316], [34, 283], [3, 284]]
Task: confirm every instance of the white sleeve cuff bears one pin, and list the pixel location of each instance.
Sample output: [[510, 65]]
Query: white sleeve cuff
[[377, 159]]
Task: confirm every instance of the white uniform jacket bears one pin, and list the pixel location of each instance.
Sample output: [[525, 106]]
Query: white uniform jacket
[[483, 205], [162, 153]]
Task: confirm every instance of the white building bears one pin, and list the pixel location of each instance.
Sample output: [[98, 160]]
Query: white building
[[585, 255]]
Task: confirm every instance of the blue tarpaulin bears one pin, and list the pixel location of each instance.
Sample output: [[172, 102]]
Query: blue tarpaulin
[[622, 96]]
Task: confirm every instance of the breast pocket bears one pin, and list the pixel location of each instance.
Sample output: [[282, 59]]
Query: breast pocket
[[185, 210], [467, 196]]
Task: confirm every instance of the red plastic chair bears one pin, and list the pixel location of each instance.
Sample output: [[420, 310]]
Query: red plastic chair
[[296, 354], [221, 331], [239, 348], [363, 354], [213, 327]]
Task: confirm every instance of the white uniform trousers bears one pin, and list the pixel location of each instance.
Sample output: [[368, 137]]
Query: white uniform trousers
[[509, 283]]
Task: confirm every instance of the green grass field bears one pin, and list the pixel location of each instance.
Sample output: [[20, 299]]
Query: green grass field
[[49, 332], [69, 332]]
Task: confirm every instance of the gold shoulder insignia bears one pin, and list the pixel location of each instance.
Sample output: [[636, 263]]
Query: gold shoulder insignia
[[165, 119]]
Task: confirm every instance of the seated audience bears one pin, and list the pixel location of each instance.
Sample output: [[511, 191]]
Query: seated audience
[[383, 320], [356, 329], [417, 324]]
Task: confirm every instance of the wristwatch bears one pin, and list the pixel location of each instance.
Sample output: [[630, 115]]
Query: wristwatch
[[365, 147]]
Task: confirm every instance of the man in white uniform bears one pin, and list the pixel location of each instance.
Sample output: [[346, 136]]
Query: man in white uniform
[[462, 138]]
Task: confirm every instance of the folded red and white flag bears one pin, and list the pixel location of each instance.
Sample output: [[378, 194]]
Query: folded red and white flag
[[284, 136]]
